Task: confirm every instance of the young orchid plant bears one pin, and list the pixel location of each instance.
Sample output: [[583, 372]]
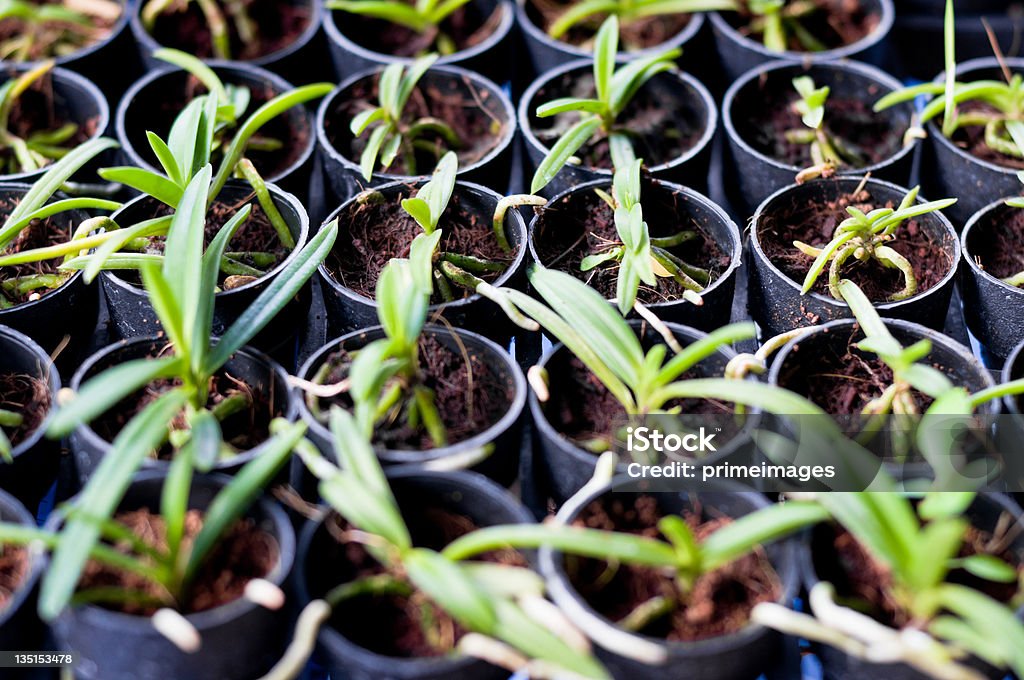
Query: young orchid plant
[[615, 89], [41, 147], [425, 17], [223, 19], [828, 152], [780, 24], [628, 11], [54, 29], [865, 237]]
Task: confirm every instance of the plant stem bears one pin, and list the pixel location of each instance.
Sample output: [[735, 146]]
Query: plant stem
[[266, 201]]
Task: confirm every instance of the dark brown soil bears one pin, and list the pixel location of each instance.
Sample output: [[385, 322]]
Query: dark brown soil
[[868, 135], [393, 625], [583, 224], [465, 27], [14, 565], [27, 395], [38, 234], [814, 223], [836, 23], [719, 603], [243, 553], [243, 430], [373, 232], [664, 120], [38, 110], [469, 399], [279, 24], [972, 139], [997, 245], [633, 35], [471, 112], [53, 34]]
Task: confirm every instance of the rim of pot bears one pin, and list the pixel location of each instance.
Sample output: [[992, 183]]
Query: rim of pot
[[856, 67], [977, 269], [1006, 375], [48, 373], [1013, 64], [63, 78], [403, 456], [327, 104], [276, 192], [567, 598], [149, 45], [11, 509], [81, 375], [683, 79], [512, 217], [541, 422], [122, 20], [78, 215], [246, 69], [691, 29], [221, 614], [938, 339], [437, 664], [885, 23], [504, 27], [735, 248], [881, 307]]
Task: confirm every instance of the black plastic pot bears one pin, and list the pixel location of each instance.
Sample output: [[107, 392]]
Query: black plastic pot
[[75, 100], [775, 300], [299, 60], [260, 373], [945, 167], [345, 179], [240, 639], [680, 93], [35, 459], [504, 436], [490, 57], [739, 53], [153, 102], [759, 174], [744, 655], [68, 311], [349, 311], [994, 310], [321, 566], [132, 313], [691, 209], [563, 467], [20, 628], [837, 665]]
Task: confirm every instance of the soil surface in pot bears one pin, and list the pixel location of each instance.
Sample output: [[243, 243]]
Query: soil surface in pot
[[997, 244], [813, 222], [255, 235], [455, 100], [27, 395], [582, 224], [464, 28], [243, 553], [719, 603], [278, 25], [38, 110], [857, 576], [395, 625], [243, 430], [159, 103], [834, 23], [470, 397], [633, 35], [14, 566], [51, 35], [38, 234], [863, 132], [666, 122], [371, 232], [971, 138]]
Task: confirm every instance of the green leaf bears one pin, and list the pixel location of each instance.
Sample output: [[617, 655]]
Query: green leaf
[[395, 12], [742, 535], [443, 582], [174, 496], [630, 78], [606, 45], [146, 181], [408, 82], [438, 191], [165, 304], [704, 347], [577, 12], [949, 50], [419, 210], [591, 261], [990, 568], [421, 260], [368, 159], [185, 139], [933, 548], [566, 146], [206, 439], [365, 119], [401, 303], [567, 104], [196, 67], [166, 158], [118, 238], [991, 619], [363, 509], [940, 505]]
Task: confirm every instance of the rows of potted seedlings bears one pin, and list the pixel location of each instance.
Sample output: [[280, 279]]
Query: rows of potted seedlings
[[338, 377]]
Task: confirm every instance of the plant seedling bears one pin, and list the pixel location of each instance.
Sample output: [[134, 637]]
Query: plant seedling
[[56, 29], [92, 532], [640, 257], [391, 136], [425, 17], [864, 237], [780, 22], [944, 621], [628, 11], [597, 117], [828, 152], [223, 19]]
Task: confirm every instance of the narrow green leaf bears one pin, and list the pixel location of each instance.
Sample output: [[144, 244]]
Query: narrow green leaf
[[567, 145]]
